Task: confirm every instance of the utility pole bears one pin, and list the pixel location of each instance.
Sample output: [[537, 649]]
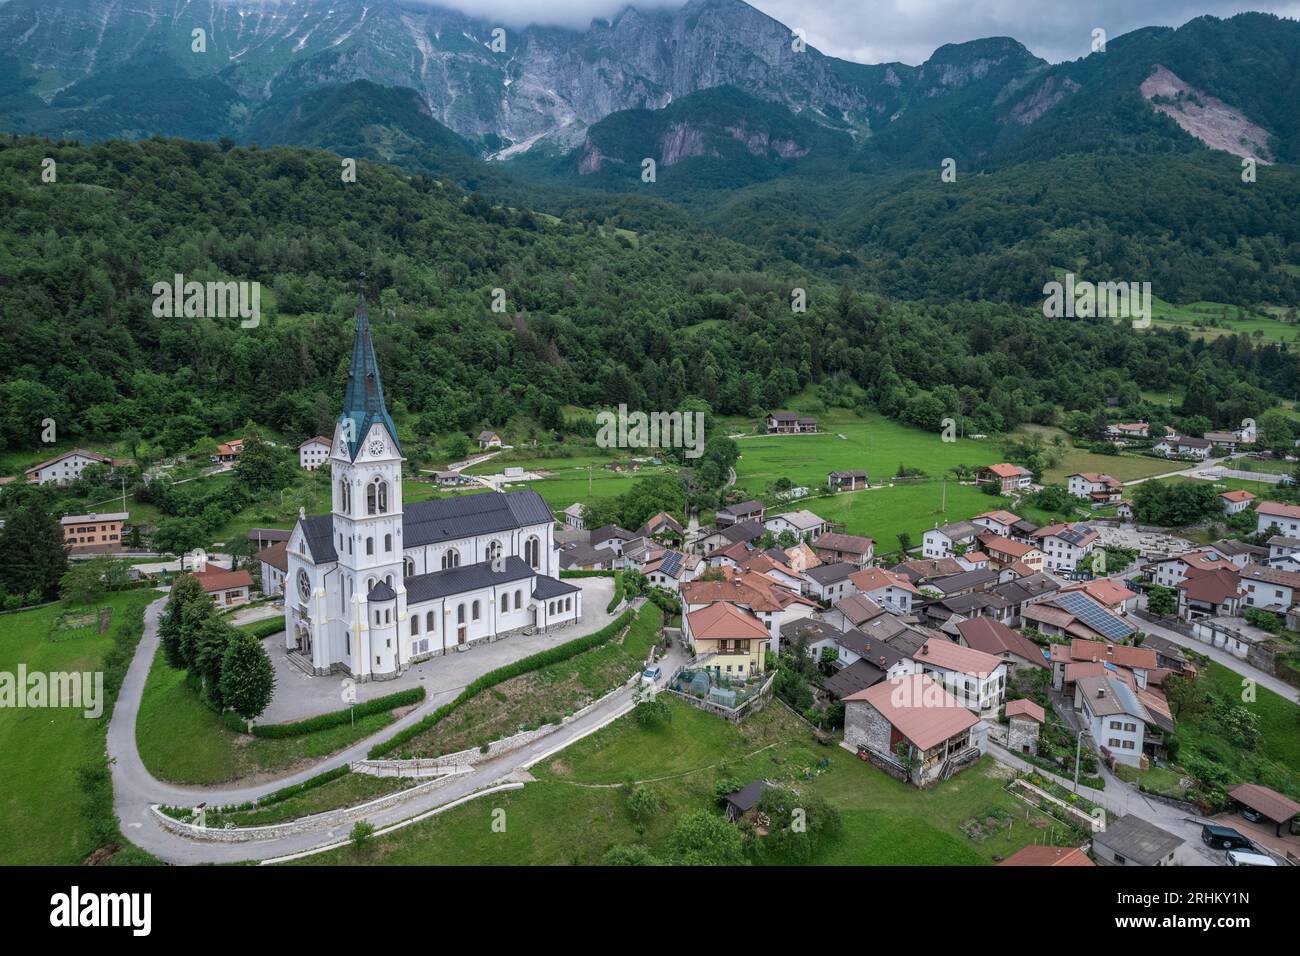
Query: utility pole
[[943, 501]]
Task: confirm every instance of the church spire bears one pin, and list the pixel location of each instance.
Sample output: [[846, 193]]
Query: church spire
[[363, 402]]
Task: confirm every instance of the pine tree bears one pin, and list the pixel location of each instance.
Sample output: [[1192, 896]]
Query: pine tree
[[247, 677], [32, 543]]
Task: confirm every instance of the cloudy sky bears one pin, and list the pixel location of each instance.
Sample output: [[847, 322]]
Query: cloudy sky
[[874, 31]]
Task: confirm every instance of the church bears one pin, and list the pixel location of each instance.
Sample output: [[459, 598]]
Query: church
[[374, 586]]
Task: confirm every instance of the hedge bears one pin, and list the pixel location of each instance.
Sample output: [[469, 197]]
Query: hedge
[[262, 629], [617, 599], [524, 665], [337, 718], [586, 574]]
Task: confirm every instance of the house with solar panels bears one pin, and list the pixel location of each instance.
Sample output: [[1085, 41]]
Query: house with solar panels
[[373, 586], [1114, 716]]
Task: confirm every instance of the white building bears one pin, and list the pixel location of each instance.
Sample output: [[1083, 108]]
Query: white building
[[66, 468], [314, 452], [1286, 517], [573, 517], [941, 541], [373, 586], [893, 592], [1064, 546], [1096, 487], [803, 524], [978, 680], [1114, 716]]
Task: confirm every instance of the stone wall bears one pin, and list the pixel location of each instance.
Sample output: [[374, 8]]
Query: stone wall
[[864, 726], [1022, 732]]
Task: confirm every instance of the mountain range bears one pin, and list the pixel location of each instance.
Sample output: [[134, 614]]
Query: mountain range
[[95, 69]]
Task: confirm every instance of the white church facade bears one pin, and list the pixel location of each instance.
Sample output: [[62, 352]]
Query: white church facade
[[374, 586]]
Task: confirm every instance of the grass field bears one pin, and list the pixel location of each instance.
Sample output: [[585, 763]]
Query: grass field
[[42, 820], [1196, 318], [872, 442], [882, 513], [181, 740], [577, 808], [1122, 467], [346, 791]]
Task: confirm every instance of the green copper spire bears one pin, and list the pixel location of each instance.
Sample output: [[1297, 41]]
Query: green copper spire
[[363, 402]]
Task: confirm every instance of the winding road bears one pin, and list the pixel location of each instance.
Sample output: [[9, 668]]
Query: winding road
[[135, 790]]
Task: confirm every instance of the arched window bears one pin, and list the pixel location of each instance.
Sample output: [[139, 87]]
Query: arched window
[[415, 624], [377, 497], [476, 611], [388, 616], [450, 559], [345, 497], [408, 567], [460, 614], [494, 550], [370, 586], [519, 600], [388, 579], [388, 544], [370, 545], [568, 604], [505, 601], [533, 552], [376, 617], [430, 622]]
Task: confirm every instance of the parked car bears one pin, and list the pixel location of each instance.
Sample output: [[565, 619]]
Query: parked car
[[1245, 858], [1224, 838], [1254, 816], [651, 674]]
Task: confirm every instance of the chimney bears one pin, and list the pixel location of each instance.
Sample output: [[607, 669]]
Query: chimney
[[925, 649], [1101, 692]]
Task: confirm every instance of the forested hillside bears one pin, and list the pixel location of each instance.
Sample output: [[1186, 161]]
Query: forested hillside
[[594, 315]]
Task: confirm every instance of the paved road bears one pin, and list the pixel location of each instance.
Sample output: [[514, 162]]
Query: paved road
[[1220, 656], [1119, 798], [135, 789]]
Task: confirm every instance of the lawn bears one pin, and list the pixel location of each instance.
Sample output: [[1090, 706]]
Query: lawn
[[1196, 318], [182, 740], [1122, 467], [577, 808], [882, 513], [872, 442], [43, 819], [1276, 761], [348, 790]]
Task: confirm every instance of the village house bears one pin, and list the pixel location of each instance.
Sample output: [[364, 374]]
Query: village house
[[788, 423], [728, 641], [671, 569], [976, 679], [921, 570], [735, 514], [1038, 854], [1283, 553], [996, 639], [662, 525], [1285, 517], [800, 557], [1008, 477], [94, 532], [66, 468], [611, 538], [1004, 552], [1269, 589], [573, 517], [265, 537], [891, 591], [768, 601], [1168, 572], [1098, 488], [1109, 593], [852, 548], [943, 541], [803, 524], [852, 610], [998, 522], [852, 480], [1075, 615], [229, 452], [1020, 592], [1230, 441], [771, 563], [742, 532], [1235, 501], [1209, 593], [1114, 717], [1024, 720], [914, 727], [1132, 841], [314, 452], [829, 583], [489, 439], [1106, 655], [275, 566], [1184, 446], [1065, 546], [226, 588], [1123, 430], [580, 556]]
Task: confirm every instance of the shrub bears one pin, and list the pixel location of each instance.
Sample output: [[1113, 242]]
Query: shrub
[[363, 831], [337, 718], [617, 599], [261, 629]]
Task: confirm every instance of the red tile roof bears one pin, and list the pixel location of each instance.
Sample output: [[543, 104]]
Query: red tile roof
[[953, 657], [1048, 856], [1023, 707], [219, 579], [1236, 495], [724, 621], [1269, 802], [872, 579], [994, 637], [921, 710]]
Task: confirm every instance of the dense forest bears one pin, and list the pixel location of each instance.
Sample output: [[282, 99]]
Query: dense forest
[[593, 315]]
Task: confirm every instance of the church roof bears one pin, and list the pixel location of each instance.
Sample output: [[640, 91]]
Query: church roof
[[381, 592], [545, 588], [318, 530], [467, 577], [363, 402]]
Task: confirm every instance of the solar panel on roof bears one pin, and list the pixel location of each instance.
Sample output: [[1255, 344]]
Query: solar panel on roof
[[672, 563], [1094, 615]]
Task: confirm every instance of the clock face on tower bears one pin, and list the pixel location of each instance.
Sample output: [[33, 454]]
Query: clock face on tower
[[377, 447], [304, 584]]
